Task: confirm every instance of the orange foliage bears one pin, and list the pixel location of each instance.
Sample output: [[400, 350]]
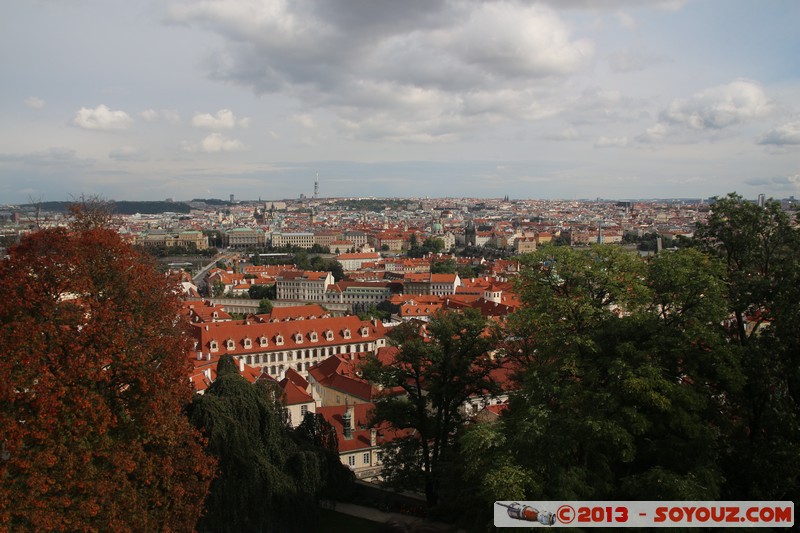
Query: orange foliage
[[93, 380]]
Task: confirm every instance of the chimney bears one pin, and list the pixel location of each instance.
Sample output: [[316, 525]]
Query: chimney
[[241, 364], [199, 356], [373, 437], [208, 356]]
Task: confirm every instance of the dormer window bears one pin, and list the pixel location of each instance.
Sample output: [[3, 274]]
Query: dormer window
[[313, 336], [279, 340], [229, 344], [346, 333], [214, 346], [263, 342], [364, 331], [329, 335], [298, 338], [248, 343]]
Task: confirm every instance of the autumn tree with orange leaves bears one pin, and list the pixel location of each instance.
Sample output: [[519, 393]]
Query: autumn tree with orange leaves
[[93, 365]]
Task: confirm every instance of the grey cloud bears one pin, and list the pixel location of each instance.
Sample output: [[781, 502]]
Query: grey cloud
[[34, 102], [388, 63], [608, 5], [786, 134], [56, 157], [634, 60], [783, 183], [127, 153], [720, 107]]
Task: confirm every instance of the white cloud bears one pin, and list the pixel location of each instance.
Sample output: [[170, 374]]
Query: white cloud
[[127, 153], [102, 118], [149, 115], [34, 102], [720, 107], [223, 120], [626, 20], [305, 120], [170, 115], [611, 142], [786, 134], [509, 40], [216, 142]]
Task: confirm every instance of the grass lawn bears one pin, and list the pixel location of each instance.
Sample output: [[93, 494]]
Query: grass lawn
[[333, 522]]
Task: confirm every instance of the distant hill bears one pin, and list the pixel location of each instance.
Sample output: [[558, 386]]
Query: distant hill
[[124, 207]]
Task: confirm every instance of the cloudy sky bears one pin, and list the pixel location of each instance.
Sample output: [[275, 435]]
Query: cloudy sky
[[532, 99]]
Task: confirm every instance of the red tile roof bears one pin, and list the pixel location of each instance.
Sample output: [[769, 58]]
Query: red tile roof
[[288, 332], [341, 375], [360, 440]]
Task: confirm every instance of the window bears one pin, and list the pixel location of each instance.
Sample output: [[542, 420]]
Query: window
[[230, 344], [364, 332], [313, 336], [248, 343], [346, 333], [351, 460], [279, 340], [303, 410], [263, 341], [366, 458], [298, 338], [329, 335], [214, 346]]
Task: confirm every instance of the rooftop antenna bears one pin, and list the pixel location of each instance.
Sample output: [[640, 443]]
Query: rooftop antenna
[[316, 187]]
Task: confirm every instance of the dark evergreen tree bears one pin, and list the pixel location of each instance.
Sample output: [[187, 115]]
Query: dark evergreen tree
[[263, 478], [758, 247]]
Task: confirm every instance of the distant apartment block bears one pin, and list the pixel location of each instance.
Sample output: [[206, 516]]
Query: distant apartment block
[[300, 240], [360, 296], [244, 238], [303, 286], [168, 239], [352, 262], [326, 238], [391, 241], [358, 238]]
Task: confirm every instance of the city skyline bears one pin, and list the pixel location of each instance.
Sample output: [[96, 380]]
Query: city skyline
[[551, 99]]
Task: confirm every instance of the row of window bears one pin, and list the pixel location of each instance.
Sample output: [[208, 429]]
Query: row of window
[[279, 357], [298, 338], [365, 459]]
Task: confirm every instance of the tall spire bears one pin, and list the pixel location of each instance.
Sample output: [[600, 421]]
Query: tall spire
[[316, 187]]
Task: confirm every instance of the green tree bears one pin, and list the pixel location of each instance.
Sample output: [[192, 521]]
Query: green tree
[[264, 307], [438, 372], [217, 289], [433, 245], [260, 291], [263, 476], [317, 434], [758, 248], [448, 266], [624, 381]]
